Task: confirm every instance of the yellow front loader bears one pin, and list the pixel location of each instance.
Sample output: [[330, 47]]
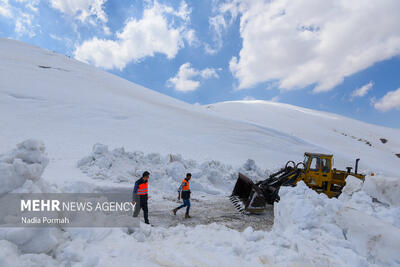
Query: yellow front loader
[[316, 171]]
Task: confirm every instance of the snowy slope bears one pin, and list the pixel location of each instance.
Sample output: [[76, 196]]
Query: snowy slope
[[346, 138], [72, 105]]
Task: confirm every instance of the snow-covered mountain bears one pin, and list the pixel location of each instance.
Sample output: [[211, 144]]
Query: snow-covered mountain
[[72, 107], [345, 138]]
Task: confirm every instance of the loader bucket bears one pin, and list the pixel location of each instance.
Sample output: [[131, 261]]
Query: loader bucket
[[247, 196], [243, 187]]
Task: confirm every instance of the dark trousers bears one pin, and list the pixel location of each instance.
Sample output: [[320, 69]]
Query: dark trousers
[[141, 203], [186, 203]]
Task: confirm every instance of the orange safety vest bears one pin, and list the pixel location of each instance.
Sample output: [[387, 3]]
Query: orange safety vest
[[143, 189], [186, 185]]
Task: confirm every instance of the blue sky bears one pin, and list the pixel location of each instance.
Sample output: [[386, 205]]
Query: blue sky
[[325, 56]]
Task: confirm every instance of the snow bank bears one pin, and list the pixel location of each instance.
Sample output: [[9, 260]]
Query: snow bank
[[353, 230], [360, 228], [375, 240], [167, 171], [307, 219], [20, 172], [376, 197], [309, 230]]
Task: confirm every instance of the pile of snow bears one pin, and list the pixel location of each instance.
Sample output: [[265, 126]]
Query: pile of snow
[[24, 164], [309, 230], [354, 230], [20, 172], [120, 166], [360, 228]]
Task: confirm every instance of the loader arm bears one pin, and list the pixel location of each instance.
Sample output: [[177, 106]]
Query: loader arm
[[253, 197]]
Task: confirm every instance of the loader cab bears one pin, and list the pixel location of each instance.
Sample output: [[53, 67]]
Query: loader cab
[[318, 171]]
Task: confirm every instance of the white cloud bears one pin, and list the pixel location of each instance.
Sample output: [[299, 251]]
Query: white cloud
[[140, 38], [23, 25], [275, 99], [312, 42], [187, 78], [360, 92], [55, 37], [389, 101], [218, 25], [81, 9], [209, 73], [5, 9], [31, 4], [191, 38], [249, 98], [224, 15], [23, 21]]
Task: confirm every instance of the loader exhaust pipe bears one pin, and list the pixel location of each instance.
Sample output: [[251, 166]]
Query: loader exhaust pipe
[[356, 167]]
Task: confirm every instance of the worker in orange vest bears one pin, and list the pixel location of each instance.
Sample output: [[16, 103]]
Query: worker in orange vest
[[184, 191], [140, 196]]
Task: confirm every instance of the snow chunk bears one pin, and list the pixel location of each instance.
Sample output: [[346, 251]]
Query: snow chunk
[[8, 253], [32, 240], [352, 186], [10, 256], [20, 172], [301, 208], [100, 149], [376, 240], [384, 189], [27, 162], [251, 235], [176, 170]]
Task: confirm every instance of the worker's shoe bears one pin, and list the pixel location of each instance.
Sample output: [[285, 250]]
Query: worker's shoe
[[187, 216], [148, 223], [174, 211]]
